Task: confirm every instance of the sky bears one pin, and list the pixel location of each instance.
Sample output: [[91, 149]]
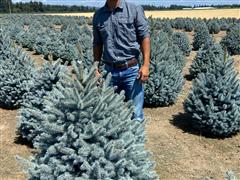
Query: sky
[[99, 3]]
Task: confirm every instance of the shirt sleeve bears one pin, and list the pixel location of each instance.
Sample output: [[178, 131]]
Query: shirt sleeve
[[141, 24], [97, 39]]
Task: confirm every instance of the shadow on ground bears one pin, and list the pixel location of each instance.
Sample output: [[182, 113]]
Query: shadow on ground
[[22, 141], [188, 77], [183, 121]]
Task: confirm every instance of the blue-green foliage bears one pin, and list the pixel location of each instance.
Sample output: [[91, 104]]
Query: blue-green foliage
[[224, 26], [45, 80], [167, 28], [70, 44], [16, 75], [82, 44], [214, 101], [188, 25], [182, 41], [201, 35], [6, 45], [232, 40], [14, 30], [206, 59], [28, 36], [213, 27], [179, 23], [87, 133], [54, 37], [164, 84], [49, 42], [166, 78], [163, 49]]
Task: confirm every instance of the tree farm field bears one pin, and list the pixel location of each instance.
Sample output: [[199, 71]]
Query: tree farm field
[[179, 152], [207, 13]]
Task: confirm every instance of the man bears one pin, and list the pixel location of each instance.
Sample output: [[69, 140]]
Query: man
[[120, 30]]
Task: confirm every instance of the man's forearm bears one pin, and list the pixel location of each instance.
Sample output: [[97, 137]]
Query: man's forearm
[[145, 48], [97, 52]]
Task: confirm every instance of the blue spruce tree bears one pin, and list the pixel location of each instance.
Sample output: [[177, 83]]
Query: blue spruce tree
[[16, 74], [214, 102], [201, 35], [166, 79], [182, 41], [28, 37], [167, 28], [213, 26], [206, 58], [87, 133], [232, 40], [46, 78], [6, 46], [49, 43]]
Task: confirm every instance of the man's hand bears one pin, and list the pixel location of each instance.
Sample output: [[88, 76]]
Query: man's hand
[[98, 74], [144, 70], [143, 73]]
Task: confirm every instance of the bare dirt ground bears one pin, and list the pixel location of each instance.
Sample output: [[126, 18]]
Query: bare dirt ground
[[180, 152]]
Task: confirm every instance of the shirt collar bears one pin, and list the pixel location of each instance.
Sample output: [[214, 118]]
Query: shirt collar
[[121, 4]]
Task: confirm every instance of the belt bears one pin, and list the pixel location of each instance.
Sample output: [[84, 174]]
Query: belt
[[125, 65]]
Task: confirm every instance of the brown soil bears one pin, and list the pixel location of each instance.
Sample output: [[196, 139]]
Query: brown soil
[[180, 153], [10, 146]]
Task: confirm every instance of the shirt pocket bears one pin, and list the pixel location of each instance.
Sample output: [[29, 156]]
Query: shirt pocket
[[127, 28], [102, 29]]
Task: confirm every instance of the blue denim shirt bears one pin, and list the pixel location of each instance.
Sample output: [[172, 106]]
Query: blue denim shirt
[[120, 31]]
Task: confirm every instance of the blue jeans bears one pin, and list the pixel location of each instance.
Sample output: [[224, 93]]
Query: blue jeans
[[126, 79]]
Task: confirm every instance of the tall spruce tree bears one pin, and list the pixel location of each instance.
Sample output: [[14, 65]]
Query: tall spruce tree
[[214, 102], [46, 78], [87, 133], [166, 80]]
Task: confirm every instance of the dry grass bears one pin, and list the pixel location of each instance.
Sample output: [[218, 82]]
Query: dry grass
[[217, 13]]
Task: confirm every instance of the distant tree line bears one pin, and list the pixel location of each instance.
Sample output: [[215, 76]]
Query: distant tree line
[[6, 6], [171, 7]]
